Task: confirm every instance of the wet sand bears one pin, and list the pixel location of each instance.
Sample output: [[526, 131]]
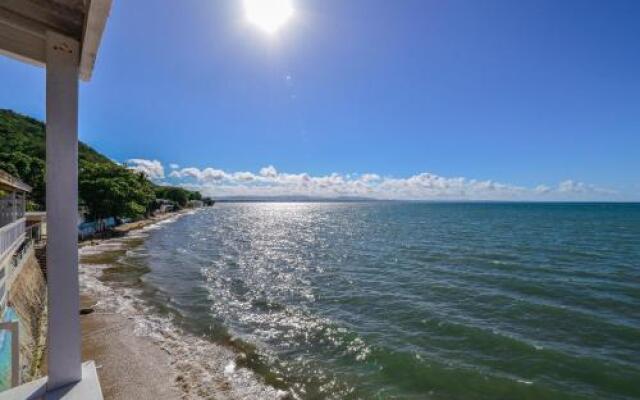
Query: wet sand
[[132, 226], [129, 366], [140, 356]]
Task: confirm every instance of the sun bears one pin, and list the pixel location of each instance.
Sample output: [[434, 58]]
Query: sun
[[268, 15]]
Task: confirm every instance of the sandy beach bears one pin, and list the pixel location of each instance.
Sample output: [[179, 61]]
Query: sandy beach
[[140, 355], [129, 366]]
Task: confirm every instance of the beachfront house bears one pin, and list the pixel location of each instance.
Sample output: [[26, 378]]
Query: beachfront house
[[164, 206], [16, 251], [63, 36], [195, 204]]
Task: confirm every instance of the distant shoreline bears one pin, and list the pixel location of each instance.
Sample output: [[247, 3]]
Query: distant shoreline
[[367, 200]]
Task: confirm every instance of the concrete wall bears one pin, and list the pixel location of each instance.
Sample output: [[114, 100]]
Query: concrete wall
[[28, 298]]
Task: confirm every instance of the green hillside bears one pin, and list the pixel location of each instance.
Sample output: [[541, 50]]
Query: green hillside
[[22, 151], [106, 188]]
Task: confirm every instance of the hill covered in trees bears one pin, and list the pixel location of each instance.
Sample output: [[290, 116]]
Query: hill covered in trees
[[105, 187]]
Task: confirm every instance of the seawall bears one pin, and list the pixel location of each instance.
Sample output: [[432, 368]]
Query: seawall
[[28, 298]]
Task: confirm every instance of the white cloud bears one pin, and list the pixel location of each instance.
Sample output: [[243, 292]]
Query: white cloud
[[205, 175], [542, 189], [367, 178], [269, 172], [244, 176], [570, 186], [185, 173], [174, 166], [212, 175], [423, 186], [153, 169]]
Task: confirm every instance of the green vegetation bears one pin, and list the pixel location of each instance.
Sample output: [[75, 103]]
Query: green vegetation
[[177, 195], [106, 188]]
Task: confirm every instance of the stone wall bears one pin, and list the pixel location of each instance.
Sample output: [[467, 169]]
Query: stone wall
[[28, 297]]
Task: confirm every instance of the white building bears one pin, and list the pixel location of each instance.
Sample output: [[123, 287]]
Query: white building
[[195, 204], [13, 194]]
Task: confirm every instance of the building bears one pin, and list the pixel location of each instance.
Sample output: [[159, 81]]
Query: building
[[164, 206], [195, 204], [13, 236], [63, 36], [22, 286]]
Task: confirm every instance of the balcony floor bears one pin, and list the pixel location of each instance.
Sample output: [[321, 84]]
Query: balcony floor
[[87, 389]]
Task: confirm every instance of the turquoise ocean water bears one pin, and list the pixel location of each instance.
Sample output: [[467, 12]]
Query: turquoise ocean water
[[395, 300]]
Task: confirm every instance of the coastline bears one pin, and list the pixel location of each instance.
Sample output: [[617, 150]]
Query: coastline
[[133, 226], [142, 355], [129, 366], [224, 295]]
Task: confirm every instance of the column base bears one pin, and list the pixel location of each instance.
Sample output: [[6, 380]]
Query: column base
[[86, 389]]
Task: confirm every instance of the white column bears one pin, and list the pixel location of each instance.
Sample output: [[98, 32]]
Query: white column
[[64, 359]]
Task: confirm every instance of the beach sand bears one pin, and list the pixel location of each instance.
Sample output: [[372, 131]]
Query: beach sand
[[140, 355], [129, 366]]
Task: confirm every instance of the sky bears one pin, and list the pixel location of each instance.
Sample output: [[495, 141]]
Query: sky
[[409, 99]]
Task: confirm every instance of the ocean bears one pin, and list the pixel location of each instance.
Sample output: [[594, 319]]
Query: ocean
[[387, 300]]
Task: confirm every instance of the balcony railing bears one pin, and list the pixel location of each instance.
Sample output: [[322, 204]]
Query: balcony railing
[[11, 208], [9, 236]]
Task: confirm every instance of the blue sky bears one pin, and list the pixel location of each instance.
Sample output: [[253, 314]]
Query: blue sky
[[431, 99]]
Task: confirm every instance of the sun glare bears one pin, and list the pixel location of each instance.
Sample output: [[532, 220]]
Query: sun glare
[[268, 15]]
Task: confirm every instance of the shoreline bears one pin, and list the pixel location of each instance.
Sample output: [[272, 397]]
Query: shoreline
[[134, 226], [124, 229], [141, 355], [129, 366]]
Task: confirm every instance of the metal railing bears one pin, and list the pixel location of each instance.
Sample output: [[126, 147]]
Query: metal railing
[[9, 234], [11, 208], [19, 255], [10, 267], [8, 273]]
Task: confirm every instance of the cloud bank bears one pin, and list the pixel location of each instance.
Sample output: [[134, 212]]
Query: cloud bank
[[153, 169], [268, 181]]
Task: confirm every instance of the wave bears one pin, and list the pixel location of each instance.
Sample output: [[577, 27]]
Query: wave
[[203, 369]]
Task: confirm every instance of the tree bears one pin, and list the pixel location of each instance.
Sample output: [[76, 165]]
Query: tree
[[23, 148], [178, 195], [107, 189], [28, 169], [110, 190], [195, 196]]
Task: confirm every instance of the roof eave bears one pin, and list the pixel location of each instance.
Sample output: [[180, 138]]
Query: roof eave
[[95, 22], [10, 182], [24, 27]]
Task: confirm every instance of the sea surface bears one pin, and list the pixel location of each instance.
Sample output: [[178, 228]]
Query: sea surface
[[388, 300]]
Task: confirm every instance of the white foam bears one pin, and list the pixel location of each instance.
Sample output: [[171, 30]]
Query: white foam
[[206, 369], [230, 368]]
